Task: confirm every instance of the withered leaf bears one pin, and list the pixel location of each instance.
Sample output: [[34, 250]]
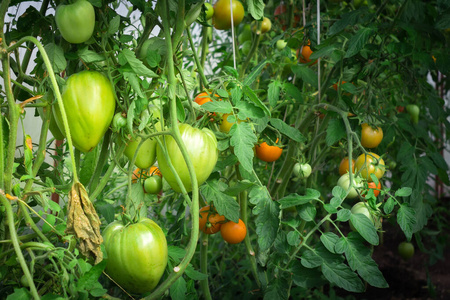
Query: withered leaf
[[84, 223]]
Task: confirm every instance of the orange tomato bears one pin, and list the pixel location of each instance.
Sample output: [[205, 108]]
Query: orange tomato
[[305, 54], [370, 137], [204, 97], [154, 171], [376, 189], [210, 221], [343, 166], [268, 153], [233, 233]]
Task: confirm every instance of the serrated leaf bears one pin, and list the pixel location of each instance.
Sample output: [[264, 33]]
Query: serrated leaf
[[310, 259], [348, 19], [90, 278], [295, 199], [243, 139], [343, 277], [56, 56], [225, 205], [306, 278], [256, 9], [290, 132], [403, 192], [89, 56], [254, 98], [306, 74], [249, 110], [218, 106], [113, 26], [358, 41], [239, 187], [335, 131], [128, 56], [194, 274], [406, 219], [134, 82], [178, 289]]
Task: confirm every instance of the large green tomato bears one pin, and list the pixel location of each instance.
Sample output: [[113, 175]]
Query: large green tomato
[[344, 182], [146, 156], [201, 145], [222, 14], [76, 21], [89, 102], [137, 254]]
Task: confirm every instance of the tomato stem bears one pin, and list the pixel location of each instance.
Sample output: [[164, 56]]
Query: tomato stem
[[204, 266]]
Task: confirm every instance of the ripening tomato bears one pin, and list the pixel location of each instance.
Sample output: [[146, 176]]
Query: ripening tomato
[[146, 155], [201, 145], [370, 164], [210, 221], [363, 208], [89, 102], [266, 25], [76, 21], [137, 254], [268, 153], [344, 182], [153, 185], [204, 97], [343, 166], [370, 137], [233, 233], [222, 14], [209, 10], [375, 188], [225, 126], [305, 54]]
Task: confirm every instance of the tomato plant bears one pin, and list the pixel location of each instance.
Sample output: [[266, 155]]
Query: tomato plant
[[370, 137], [268, 153], [233, 233], [201, 146], [222, 16], [370, 163], [344, 166], [89, 103], [76, 21], [153, 184], [137, 254], [210, 221]]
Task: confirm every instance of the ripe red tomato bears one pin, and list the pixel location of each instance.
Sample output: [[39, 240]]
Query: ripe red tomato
[[222, 14], [210, 221], [268, 153], [233, 233], [371, 137], [343, 166]]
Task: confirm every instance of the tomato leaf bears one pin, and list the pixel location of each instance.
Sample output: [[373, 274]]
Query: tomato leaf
[[287, 130], [403, 192], [249, 110], [239, 187], [306, 74], [406, 219], [267, 220], [277, 289], [255, 73], [243, 139], [306, 278], [194, 274], [56, 56], [343, 277], [310, 259], [335, 131], [348, 19], [343, 215], [293, 238], [88, 166], [341, 245], [256, 9], [254, 98], [273, 93], [307, 212], [113, 26], [365, 228], [218, 106], [295, 199], [128, 56], [329, 240], [359, 259], [389, 205], [89, 56], [193, 13], [358, 41], [89, 279], [178, 289], [176, 254], [225, 205]]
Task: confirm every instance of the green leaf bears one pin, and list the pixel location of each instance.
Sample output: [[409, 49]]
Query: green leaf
[[293, 92], [249, 110], [53, 297], [306, 74], [89, 56], [254, 98], [287, 130], [107, 211], [194, 274], [358, 41], [255, 73], [88, 166], [239, 187], [50, 220], [330, 208], [310, 259], [406, 219], [277, 289], [329, 240], [19, 294], [218, 106], [114, 25], [295, 199], [306, 278], [134, 82], [293, 238], [193, 13], [389, 205], [243, 139], [343, 215], [343, 277], [348, 19], [403, 192], [213, 191], [256, 9], [175, 253], [307, 212], [56, 56], [365, 228], [128, 56], [267, 220], [422, 210], [443, 22], [335, 131], [89, 279], [341, 245], [178, 289], [273, 92]]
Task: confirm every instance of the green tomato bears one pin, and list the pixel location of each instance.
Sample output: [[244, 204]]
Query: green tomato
[[153, 184], [406, 250], [281, 44], [362, 208], [209, 10], [344, 182], [118, 122], [246, 46], [302, 170], [89, 102], [146, 156], [359, 3], [413, 111], [76, 21], [201, 145], [137, 254], [245, 35]]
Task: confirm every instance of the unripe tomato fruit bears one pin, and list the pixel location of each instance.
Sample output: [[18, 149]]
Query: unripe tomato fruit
[[370, 137], [201, 145], [362, 208], [233, 233], [302, 170], [209, 10], [89, 102], [268, 153], [343, 166], [146, 155], [210, 221], [266, 25], [225, 126], [344, 182], [118, 122], [406, 250], [153, 185], [370, 164], [137, 254], [76, 21], [222, 16], [246, 46], [245, 35], [413, 111], [281, 44]]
